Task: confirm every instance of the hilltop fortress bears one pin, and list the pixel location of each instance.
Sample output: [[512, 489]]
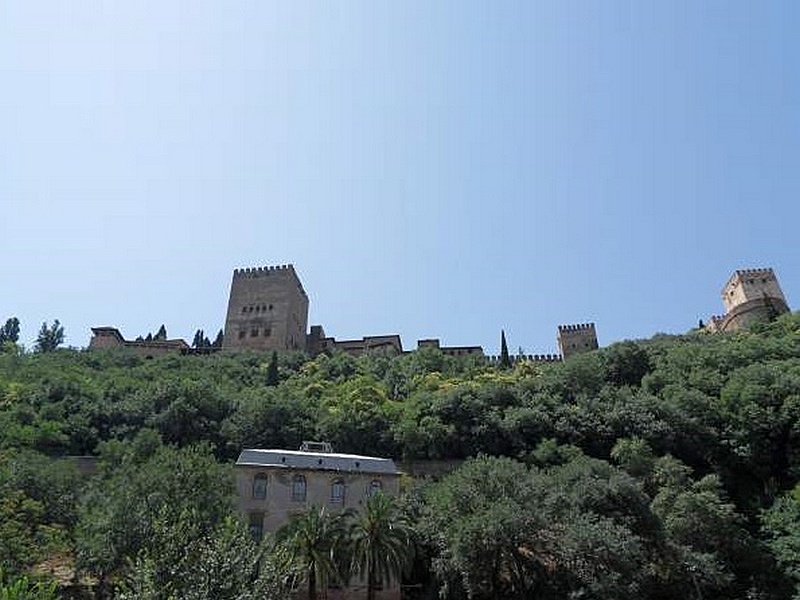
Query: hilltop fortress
[[268, 311]]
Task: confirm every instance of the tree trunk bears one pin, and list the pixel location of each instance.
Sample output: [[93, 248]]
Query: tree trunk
[[371, 579], [312, 585]]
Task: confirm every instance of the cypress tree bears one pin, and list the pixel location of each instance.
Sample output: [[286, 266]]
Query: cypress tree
[[218, 340], [505, 359], [272, 370]]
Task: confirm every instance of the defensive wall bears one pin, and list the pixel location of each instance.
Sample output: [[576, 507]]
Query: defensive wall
[[268, 310]]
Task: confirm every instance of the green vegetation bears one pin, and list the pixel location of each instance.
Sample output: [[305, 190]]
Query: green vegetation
[[654, 469], [50, 337]]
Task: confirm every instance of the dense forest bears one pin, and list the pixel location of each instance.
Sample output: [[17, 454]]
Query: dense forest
[[657, 469]]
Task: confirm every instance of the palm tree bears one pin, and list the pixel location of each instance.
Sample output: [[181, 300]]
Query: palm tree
[[379, 541], [312, 542]]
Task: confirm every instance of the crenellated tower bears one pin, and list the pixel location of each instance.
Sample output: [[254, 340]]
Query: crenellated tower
[[750, 296], [574, 339], [267, 310]]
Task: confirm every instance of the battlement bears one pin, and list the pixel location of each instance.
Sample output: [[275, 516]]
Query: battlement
[[757, 272], [257, 272], [534, 358], [262, 271], [578, 327]]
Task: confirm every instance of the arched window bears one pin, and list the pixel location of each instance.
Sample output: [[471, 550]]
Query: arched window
[[337, 492], [260, 486], [299, 488], [375, 486]]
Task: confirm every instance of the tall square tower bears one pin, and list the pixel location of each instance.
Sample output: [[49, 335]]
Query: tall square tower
[[267, 310], [574, 339]]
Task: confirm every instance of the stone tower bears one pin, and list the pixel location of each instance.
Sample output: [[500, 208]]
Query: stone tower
[[574, 339], [750, 296], [267, 310]]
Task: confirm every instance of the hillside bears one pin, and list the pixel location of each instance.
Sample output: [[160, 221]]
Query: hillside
[[675, 458]]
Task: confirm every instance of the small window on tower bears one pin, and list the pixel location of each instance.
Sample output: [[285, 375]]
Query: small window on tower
[[267, 332], [254, 332], [242, 333]]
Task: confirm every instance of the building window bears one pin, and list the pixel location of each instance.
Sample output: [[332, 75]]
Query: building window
[[260, 486], [299, 488], [267, 332], [337, 492], [254, 332], [242, 333], [375, 486], [256, 525]]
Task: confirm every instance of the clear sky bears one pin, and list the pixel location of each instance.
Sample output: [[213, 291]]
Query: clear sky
[[431, 168]]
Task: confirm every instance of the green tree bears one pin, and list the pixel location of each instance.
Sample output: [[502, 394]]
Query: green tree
[[138, 505], [10, 331], [217, 343], [781, 523], [23, 588], [313, 544], [379, 542], [272, 371], [505, 358], [578, 529], [225, 564], [199, 339], [50, 337], [161, 334], [626, 363]]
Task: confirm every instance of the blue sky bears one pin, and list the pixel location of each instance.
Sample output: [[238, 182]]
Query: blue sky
[[434, 169]]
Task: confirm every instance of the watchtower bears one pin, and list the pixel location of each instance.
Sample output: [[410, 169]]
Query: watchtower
[[574, 339], [750, 296], [752, 284], [267, 310]]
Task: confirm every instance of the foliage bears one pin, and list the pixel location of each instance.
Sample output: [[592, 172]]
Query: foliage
[[22, 588], [781, 523], [10, 331], [150, 504], [272, 371], [313, 546], [225, 564], [38, 499], [50, 337], [505, 359], [703, 430], [379, 541]]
